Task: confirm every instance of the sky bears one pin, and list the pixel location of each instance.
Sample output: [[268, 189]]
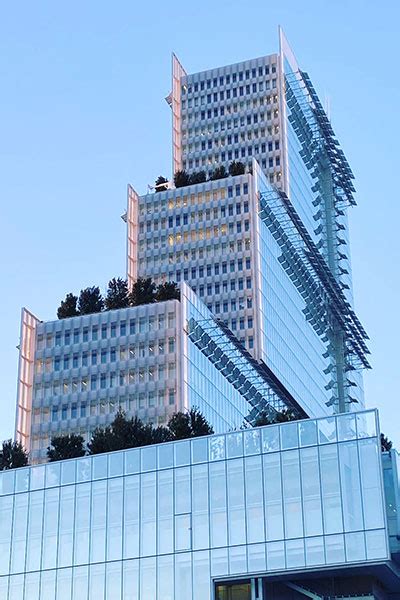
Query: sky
[[82, 113]]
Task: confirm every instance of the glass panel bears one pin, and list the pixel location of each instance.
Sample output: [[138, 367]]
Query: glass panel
[[64, 584], [346, 427], [165, 456], [295, 554], [289, 436], [182, 532], [82, 524], [218, 508], [270, 438], [370, 465], [165, 521], [20, 526], [98, 521], [16, 589], [292, 494], [326, 430], [68, 471], [315, 554], [252, 441], [32, 586], [376, 544], [66, 526], [199, 450], [201, 576], [237, 560], [115, 464], [234, 444], [236, 512], [96, 582], [50, 528], [130, 577], [48, 585], [182, 453], [256, 559], [217, 447], [80, 582], [183, 576], [330, 487], [131, 517], [149, 458], [99, 467], [22, 477], [35, 527], [148, 515], [254, 500], [114, 519], [53, 472], [7, 482], [148, 579], [308, 432], [84, 469], [219, 562], [275, 556], [273, 496], [311, 491], [182, 490], [334, 549], [351, 490], [113, 581], [355, 546], [132, 461], [37, 477], [366, 424], [165, 577], [200, 518]]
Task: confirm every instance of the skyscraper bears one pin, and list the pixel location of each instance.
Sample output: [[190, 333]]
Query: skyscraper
[[268, 249]]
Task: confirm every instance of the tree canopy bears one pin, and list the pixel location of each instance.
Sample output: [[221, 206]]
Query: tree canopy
[[90, 301], [159, 184], [143, 291], [12, 455], [63, 447], [67, 307], [117, 295], [167, 291]]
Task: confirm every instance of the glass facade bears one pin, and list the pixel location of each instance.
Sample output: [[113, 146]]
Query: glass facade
[[162, 522]]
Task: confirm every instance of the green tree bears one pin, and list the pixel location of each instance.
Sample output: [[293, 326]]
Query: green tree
[[117, 295], [67, 307], [167, 291], [123, 433], [218, 173], [189, 424], [101, 441], [181, 179], [159, 184], [386, 444], [198, 177], [236, 168], [63, 447], [90, 301], [160, 434], [143, 291], [12, 455]]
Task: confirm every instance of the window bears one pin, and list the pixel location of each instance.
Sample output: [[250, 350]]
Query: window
[[75, 363], [64, 411], [104, 332], [74, 411], [132, 327], [95, 332], [57, 364], [83, 409], [94, 357], [76, 336], [122, 328], [85, 333], [66, 362], [113, 329]]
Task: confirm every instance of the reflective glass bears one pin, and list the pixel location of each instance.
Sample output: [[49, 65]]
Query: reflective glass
[[66, 525], [289, 436], [99, 466], [334, 549], [80, 582], [331, 491], [199, 450], [165, 577], [64, 584], [275, 556], [350, 483], [237, 560], [355, 546], [7, 482], [273, 496], [254, 499], [22, 477], [113, 581], [84, 469], [16, 587], [219, 562], [53, 472], [97, 582], [35, 527], [115, 499], [292, 494], [218, 505], [308, 432], [82, 524], [98, 521], [234, 444], [252, 441], [310, 483], [236, 510], [200, 514], [48, 585], [366, 424], [346, 427], [370, 467], [315, 554], [148, 514], [132, 461], [68, 471], [270, 438], [183, 576], [165, 508], [32, 586], [50, 528], [376, 544], [327, 430], [256, 558], [37, 477], [201, 576], [165, 456], [149, 458], [295, 554], [182, 453], [115, 464], [217, 447], [131, 516], [19, 532], [130, 578]]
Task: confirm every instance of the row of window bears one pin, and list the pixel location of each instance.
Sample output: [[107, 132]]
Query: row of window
[[104, 381], [105, 356], [251, 134], [229, 78], [224, 95], [105, 331], [228, 140], [197, 216], [204, 128], [241, 152]]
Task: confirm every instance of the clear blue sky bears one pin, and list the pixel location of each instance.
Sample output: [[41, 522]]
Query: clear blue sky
[[82, 113]]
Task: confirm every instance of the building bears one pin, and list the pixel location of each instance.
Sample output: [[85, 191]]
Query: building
[[151, 360], [286, 511], [268, 250]]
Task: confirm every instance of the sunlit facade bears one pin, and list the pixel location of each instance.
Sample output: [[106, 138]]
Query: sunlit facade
[[256, 512], [150, 360]]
